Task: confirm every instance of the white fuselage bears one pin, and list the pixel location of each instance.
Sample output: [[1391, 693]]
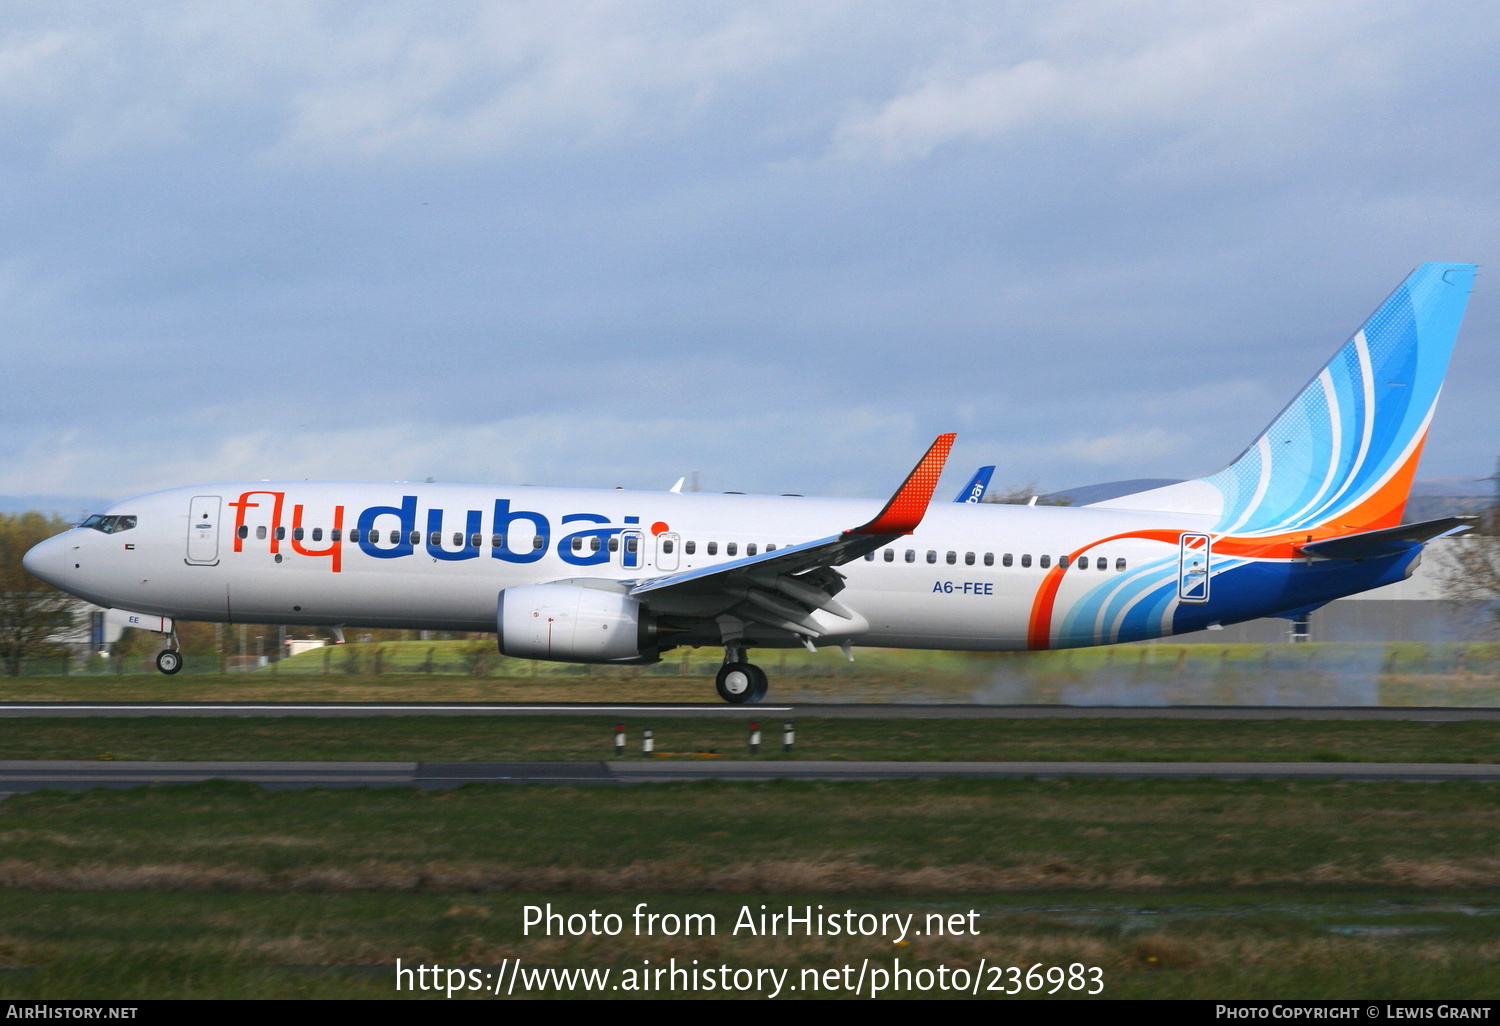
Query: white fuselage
[[185, 557]]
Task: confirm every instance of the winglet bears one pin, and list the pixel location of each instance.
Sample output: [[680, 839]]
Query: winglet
[[907, 507]]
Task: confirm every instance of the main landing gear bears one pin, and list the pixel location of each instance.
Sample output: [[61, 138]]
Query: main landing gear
[[169, 660], [739, 682]]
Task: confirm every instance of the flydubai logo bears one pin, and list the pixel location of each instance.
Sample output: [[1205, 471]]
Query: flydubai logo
[[391, 532]]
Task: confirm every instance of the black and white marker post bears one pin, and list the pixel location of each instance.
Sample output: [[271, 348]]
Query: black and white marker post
[[755, 739], [619, 740], [648, 742], [788, 735]]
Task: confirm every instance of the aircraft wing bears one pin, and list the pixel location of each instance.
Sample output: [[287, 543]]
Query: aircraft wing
[[786, 588]]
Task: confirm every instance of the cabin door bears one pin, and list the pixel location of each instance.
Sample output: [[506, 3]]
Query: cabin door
[[1194, 553], [203, 530]]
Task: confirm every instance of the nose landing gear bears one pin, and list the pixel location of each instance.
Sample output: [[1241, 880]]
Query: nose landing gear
[[739, 682]]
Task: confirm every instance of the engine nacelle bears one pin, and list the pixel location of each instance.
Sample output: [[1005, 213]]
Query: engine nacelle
[[571, 624]]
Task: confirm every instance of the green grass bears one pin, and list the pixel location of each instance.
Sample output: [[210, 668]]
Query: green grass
[[497, 738], [1184, 945], [928, 836], [1173, 888]]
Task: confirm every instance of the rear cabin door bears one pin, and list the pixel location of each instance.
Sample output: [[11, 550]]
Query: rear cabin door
[[203, 530], [1193, 568]]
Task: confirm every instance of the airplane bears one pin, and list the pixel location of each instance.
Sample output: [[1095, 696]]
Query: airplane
[[977, 486], [1310, 512]]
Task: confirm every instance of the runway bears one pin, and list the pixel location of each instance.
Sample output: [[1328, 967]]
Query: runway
[[35, 775], [817, 710]]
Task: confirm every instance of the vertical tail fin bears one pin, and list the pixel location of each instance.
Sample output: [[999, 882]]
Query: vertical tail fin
[[977, 486], [1342, 454]]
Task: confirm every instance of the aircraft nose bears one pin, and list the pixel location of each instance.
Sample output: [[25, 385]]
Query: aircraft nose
[[44, 560]]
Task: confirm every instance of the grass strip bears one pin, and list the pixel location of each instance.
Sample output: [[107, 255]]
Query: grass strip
[[951, 836], [1390, 943]]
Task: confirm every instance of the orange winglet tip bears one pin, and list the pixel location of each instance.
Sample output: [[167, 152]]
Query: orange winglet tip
[[909, 505]]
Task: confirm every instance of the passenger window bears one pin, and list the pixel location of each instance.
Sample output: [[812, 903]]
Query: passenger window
[[416, 538], [395, 537], [713, 548], [911, 555], [1025, 559], [577, 544], [458, 539], [281, 534], [334, 534], [243, 532], [890, 555], [952, 558], [932, 555], [1062, 561], [594, 543], [354, 534], [1006, 560], [667, 546], [434, 539], [870, 556], [497, 541], [690, 547], [968, 559], [537, 541], [632, 544], [731, 549], [750, 549], [1044, 562], [989, 559], [614, 544], [771, 548], [260, 532], [475, 540], [1083, 562], [317, 534], [296, 534], [1120, 563]]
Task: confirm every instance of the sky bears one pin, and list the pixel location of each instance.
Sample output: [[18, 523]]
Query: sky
[[782, 245]]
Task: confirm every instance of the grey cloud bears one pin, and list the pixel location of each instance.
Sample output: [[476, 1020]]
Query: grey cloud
[[239, 225]]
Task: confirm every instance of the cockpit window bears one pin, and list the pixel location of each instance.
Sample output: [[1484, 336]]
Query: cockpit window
[[109, 524]]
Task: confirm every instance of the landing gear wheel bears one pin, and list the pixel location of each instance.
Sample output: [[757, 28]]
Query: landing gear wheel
[[741, 683], [169, 660]]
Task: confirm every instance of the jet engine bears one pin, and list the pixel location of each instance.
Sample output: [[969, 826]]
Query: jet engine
[[569, 623]]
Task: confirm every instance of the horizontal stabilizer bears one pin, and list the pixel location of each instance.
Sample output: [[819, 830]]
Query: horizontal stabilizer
[[1389, 541]]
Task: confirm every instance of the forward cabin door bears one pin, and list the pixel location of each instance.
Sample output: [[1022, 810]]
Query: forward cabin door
[[203, 530], [1194, 553]]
